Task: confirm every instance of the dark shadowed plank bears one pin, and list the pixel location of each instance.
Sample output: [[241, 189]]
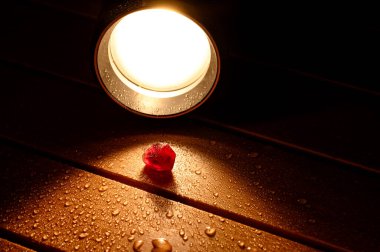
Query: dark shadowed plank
[[65, 208], [48, 39], [7, 246], [298, 111], [314, 38], [89, 9], [252, 182]]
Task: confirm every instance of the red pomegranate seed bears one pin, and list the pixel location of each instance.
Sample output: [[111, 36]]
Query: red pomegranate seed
[[159, 157]]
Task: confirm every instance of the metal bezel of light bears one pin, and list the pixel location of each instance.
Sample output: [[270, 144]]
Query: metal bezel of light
[[144, 99]]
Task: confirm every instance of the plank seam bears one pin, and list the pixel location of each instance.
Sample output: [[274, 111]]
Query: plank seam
[[287, 145], [220, 125], [290, 235]]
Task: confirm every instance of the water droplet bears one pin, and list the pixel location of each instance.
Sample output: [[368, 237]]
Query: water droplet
[[181, 232], [241, 244], [45, 237], [253, 154], [131, 238], [133, 231], [99, 239], [87, 185], [169, 214], [68, 203], [83, 235], [76, 247], [302, 201], [198, 172], [216, 195], [210, 231], [116, 212], [56, 233], [161, 245], [103, 188], [137, 245]]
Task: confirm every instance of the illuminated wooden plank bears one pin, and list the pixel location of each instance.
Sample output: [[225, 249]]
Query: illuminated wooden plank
[[73, 210]]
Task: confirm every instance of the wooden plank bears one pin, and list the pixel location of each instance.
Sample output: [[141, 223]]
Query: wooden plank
[[297, 111], [8, 246], [49, 40], [314, 116], [72, 210], [261, 185], [87, 9], [320, 40]]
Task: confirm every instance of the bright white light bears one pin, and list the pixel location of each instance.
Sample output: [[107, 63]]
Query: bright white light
[[160, 50]]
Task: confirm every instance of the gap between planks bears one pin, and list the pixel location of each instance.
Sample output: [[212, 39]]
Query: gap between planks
[[220, 125], [296, 237]]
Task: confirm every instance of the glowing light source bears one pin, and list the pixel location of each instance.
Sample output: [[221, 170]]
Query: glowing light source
[[160, 50], [157, 62]]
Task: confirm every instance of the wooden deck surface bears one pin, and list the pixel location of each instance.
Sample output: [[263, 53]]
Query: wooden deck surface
[[292, 166]]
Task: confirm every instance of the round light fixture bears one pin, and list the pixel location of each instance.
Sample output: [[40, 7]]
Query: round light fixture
[[157, 62]]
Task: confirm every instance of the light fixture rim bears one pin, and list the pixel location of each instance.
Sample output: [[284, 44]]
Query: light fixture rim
[[214, 51]]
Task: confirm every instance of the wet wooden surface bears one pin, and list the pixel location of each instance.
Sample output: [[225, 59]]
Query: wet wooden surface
[[8, 246], [285, 173], [70, 209]]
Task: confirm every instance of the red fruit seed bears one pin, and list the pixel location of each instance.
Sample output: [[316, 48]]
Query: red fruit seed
[[159, 157]]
